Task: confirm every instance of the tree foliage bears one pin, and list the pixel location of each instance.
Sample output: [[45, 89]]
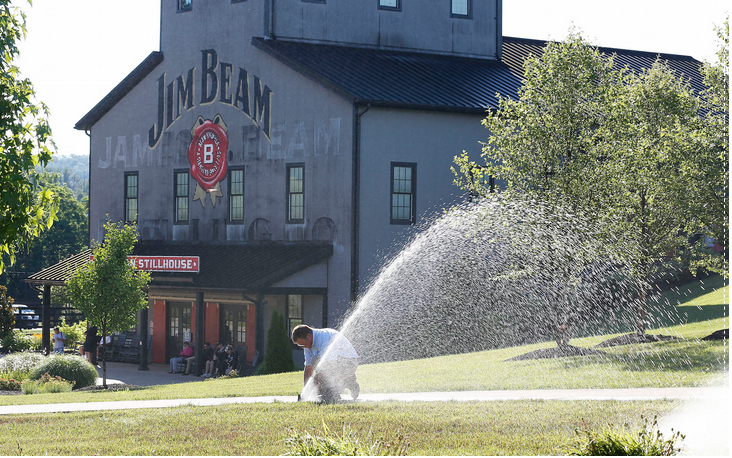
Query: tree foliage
[[7, 317], [608, 143], [26, 208], [708, 165], [109, 290], [68, 236], [278, 358]]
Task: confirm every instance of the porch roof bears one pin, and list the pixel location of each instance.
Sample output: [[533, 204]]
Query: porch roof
[[251, 266]]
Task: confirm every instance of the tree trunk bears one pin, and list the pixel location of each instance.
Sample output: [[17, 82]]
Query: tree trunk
[[640, 314]]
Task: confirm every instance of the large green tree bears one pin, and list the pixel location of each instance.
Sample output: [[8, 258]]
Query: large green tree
[[26, 208], [68, 236], [109, 290], [648, 133], [603, 142], [708, 165]]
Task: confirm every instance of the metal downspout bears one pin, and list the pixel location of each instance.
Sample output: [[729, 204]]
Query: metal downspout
[[355, 198]]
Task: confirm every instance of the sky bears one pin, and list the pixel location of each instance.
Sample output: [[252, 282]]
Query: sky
[[76, 51]]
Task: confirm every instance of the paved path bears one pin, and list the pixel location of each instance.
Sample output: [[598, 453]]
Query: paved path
[[585, 394]]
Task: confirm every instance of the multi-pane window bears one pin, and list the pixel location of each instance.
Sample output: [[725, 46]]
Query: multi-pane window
[[181, 196], [294, 311], [234, 326], [185, 5], [390, 5], [131, 192], [461, 8], [236, 195], [403, 186], [295, 194], [174, 321]]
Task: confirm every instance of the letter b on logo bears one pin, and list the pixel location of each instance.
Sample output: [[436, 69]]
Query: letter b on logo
[[208, 153]]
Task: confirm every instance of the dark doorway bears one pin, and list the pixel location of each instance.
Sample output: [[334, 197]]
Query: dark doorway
[[233, 325], [178, 328]]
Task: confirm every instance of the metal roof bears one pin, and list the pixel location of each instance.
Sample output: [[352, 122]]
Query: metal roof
[[383, 77], [57, 274], [516, 50], [436, 81], [398, 78], [252, 266]]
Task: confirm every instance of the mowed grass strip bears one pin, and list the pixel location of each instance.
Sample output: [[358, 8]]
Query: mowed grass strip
[[684, 362], [435, 428]]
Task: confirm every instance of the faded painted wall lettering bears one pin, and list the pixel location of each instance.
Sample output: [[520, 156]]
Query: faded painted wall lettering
[[290, 140]]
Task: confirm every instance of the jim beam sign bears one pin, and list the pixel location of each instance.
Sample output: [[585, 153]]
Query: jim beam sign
[[207, 156]]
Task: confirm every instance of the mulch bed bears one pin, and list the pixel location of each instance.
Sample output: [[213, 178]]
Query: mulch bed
[[634, 338], [722, 334], [110, 387], [557, 352]]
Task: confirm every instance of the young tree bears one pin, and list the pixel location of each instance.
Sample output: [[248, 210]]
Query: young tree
[[647, 136], [545, 146], [707, 167], [26, 209], [605, 143], [109, 290], [278, 358], [544, 142]]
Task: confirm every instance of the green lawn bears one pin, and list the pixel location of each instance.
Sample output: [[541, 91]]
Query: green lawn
[[442, 428], [436, 428]]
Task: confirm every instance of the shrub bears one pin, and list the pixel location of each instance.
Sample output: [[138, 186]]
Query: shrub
[[347, 444], [71, 368], [19, 365], [9, 385], [646, 442], [278, 358], [74, 333], [7, 317], [16, 340], [29, 387]]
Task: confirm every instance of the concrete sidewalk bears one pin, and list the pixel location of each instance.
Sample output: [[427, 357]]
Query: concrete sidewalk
[[157, 374], [632, 394]]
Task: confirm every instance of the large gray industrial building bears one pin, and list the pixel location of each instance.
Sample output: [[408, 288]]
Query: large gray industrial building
[[285, 145]]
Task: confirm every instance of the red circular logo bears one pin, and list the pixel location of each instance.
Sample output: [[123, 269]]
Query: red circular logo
[[207, 154]]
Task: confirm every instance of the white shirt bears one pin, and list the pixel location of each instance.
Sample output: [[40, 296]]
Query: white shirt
[[328, 344], [57, 342]]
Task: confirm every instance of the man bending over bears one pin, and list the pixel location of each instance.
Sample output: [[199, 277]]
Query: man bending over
[[331, 357]]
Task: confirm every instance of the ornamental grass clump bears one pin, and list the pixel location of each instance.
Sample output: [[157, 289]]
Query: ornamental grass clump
[[346, 444], [649, 441], [18, 366], [47, 384], [72, 368]]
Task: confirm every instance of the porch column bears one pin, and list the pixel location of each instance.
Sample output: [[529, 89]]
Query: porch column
[[46, 325], [200, 326], [143, 335]]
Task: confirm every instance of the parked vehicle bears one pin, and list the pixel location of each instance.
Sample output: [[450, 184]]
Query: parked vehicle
[[25, 318]]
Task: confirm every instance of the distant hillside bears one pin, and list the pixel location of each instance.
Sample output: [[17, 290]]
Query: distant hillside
[[74, 171]]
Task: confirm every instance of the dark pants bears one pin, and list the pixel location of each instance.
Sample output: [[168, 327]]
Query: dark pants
[[91, 350]]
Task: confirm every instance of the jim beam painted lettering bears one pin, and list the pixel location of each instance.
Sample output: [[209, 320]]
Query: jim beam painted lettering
[[254, 100]]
